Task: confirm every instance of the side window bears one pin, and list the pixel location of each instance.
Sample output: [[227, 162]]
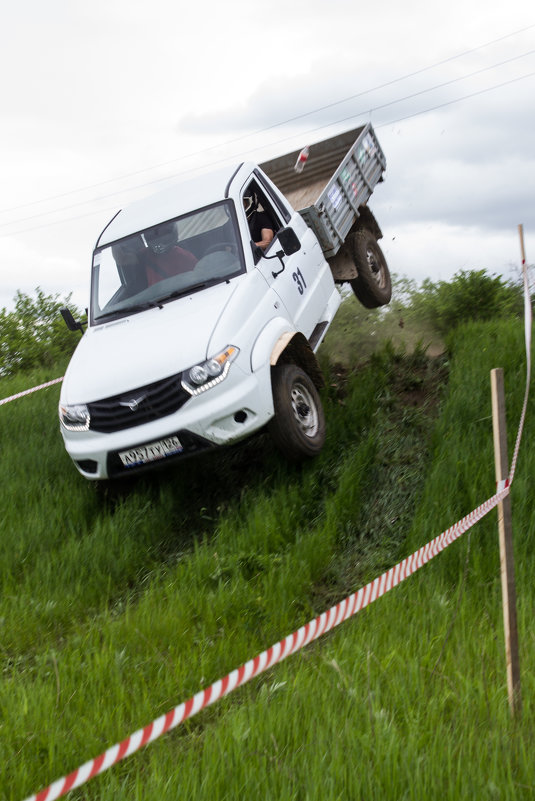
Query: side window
[[263, 219], [276, 201]]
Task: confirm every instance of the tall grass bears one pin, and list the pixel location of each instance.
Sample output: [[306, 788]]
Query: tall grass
[[116, 606]]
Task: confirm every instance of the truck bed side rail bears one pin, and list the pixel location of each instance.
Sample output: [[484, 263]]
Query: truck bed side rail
[[339, 177]]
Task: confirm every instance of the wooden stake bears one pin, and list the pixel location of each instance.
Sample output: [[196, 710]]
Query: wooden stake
[[506, 544]]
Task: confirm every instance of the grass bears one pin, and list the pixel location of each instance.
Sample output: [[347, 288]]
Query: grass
[[116, 606]]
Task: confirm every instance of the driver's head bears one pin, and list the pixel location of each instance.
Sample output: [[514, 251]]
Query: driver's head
[[162, 238], [250, 202]]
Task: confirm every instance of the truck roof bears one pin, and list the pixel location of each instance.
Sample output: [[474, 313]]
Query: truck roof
[[203, 189], [180, 198]]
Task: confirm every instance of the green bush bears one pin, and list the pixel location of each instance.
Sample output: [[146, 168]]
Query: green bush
[[34, 333], [469, 296]]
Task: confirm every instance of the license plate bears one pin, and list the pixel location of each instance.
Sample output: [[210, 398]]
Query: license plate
[[145, 454]]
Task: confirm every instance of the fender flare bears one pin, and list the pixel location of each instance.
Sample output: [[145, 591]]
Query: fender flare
[[278, 330], [279, 343]]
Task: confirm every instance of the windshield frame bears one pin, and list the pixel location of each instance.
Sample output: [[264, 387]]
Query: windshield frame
[[208, 269]]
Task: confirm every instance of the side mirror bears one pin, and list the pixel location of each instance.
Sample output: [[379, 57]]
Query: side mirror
[[289, 241], [70, 322]]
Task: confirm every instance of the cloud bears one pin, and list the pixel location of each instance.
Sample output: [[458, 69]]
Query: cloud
[[25, 269], [340, 82], [437, 250], [467, 169], [123, 94]]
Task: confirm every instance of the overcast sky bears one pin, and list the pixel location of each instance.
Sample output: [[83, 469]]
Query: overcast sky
[[106, 101]]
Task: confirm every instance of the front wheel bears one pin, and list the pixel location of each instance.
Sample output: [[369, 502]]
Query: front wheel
[[372, 286], [298, 427]]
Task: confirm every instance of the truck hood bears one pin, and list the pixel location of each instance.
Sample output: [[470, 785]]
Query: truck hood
[[145, 347]]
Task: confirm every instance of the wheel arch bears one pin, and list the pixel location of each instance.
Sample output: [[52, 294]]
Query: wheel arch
[[367, 220], [278, 343], [343, 265], [293, 348]]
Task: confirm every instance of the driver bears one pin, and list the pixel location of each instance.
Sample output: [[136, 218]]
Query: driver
[[260, 225], [164, 258]]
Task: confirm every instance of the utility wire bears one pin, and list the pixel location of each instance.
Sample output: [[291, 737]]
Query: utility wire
[[314, 130], [364, 111], [267, 128], [460, 99]]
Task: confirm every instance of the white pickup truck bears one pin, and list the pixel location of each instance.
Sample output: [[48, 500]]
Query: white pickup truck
[[198, 336]]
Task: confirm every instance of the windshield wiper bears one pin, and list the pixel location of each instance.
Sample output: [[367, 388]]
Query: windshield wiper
[[126, 310], [147, 304]]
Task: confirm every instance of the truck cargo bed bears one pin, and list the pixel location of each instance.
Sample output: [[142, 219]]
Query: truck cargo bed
[[339, 176]]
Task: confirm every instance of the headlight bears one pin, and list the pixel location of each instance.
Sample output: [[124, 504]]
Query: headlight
[[207, 374], [74, 418]]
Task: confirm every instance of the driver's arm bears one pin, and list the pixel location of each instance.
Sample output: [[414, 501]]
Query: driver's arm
[[267, 237]]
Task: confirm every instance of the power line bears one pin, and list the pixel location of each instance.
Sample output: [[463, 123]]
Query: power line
[[259, 131], [393, 81], [313, 130], [460, 99], [363, 111], [368, 111]]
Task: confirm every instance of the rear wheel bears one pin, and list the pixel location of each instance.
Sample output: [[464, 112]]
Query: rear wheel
[[298, 427], [372, 286]]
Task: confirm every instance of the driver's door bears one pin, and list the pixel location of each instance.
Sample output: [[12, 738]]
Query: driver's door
[[302, 280]]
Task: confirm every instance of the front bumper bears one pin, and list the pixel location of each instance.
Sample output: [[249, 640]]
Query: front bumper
[[224, 414]]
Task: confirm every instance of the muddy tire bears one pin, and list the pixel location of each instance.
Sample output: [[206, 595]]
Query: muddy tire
[[372, 286], [298, 427]]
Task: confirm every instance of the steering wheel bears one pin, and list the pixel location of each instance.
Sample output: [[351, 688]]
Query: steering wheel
[[224, 246]]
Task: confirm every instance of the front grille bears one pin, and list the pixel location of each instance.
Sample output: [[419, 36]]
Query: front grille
[[138, 406]]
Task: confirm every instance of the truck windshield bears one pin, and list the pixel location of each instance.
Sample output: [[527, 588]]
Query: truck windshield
[[163, 262]]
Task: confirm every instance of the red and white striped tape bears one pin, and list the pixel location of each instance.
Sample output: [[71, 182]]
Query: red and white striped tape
[[306, 634], [29, 391], [289, 645]]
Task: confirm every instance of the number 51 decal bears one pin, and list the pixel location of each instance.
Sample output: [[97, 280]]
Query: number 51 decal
[[300, 281]]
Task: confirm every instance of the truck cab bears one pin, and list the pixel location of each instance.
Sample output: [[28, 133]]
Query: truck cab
[[197, 337]]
